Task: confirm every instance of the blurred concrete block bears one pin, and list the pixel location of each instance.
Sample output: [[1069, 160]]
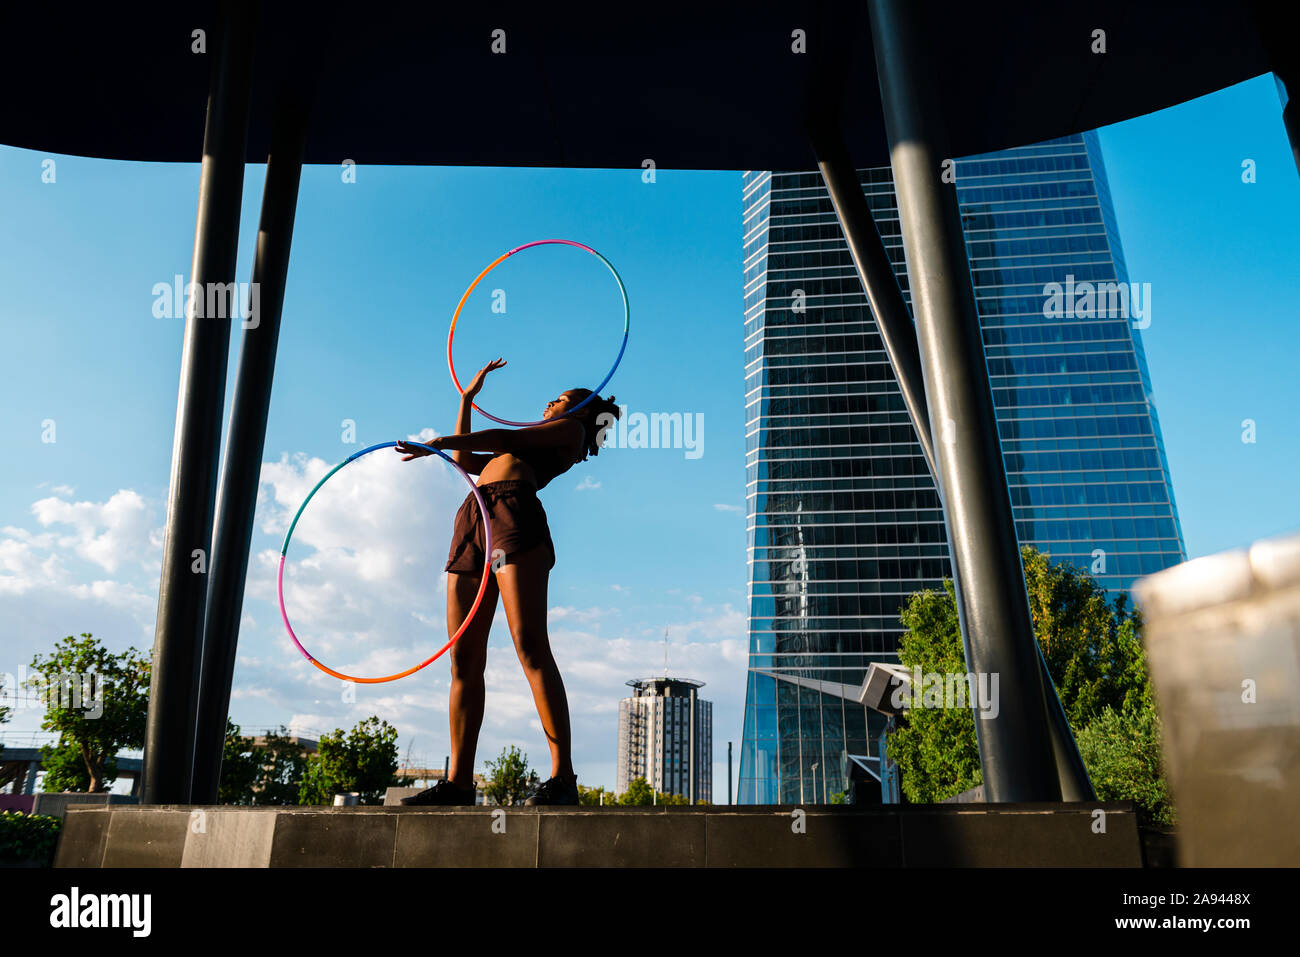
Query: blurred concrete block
[[235, 837], [1223, 642]]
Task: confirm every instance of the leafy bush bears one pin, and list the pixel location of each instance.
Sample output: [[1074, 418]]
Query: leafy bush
[[28, 837], [1122, 752]]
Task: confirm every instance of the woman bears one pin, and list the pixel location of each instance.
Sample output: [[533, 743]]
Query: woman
[[512, 465]]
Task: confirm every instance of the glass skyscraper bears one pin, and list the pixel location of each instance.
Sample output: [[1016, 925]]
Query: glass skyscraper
[[844, 522]]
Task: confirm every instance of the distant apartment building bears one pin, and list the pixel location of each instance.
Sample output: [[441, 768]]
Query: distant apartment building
[[665, 735]]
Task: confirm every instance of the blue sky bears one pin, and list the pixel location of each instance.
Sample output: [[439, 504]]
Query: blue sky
[[653, 538]]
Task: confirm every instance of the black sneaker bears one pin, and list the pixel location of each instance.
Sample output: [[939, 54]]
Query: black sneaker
[[444, 792], [555, 791]]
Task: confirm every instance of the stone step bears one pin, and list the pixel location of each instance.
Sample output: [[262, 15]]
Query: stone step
[[1102, 834]]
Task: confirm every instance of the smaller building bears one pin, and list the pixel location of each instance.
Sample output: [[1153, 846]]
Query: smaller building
[[665, 735]]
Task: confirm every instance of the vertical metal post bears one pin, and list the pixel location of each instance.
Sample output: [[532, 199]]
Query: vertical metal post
[[241, 468], [1015, 746], [690, 789], [894, 321], [728, 772], [178, 634]]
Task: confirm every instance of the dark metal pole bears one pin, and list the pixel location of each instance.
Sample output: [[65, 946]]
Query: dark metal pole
[[1015, 745], [691, 787], [876, 272], [242, 464], [728, 772], [894, 321], [178, 634]]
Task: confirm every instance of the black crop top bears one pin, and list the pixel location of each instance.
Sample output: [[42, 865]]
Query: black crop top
[[548, 463]]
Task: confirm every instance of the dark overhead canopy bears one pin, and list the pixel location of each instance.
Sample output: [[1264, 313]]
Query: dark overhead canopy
[[689, 86]]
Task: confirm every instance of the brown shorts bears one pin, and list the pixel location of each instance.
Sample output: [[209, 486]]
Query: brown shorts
[[518, 524]]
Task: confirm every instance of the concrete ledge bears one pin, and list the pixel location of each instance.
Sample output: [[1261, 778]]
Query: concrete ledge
[[56, 803], [932, 835], [466, 837], [620, 837], [81, 840]]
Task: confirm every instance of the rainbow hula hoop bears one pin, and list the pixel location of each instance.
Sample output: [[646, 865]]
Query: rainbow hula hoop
[[627, 317], [487, 564]]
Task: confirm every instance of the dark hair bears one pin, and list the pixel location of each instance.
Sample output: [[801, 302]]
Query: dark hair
[[590, 417]]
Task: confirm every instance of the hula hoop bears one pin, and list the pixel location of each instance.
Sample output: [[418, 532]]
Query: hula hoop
[[627, 315], [487, 564]]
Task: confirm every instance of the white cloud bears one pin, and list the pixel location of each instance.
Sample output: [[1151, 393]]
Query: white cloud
[[363, 581], [584, 615], [107, 534], [587, 483], [729, 508], [52, 583]]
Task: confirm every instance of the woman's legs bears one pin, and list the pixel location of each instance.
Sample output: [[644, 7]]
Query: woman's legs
[[522, 583], [468, 659]]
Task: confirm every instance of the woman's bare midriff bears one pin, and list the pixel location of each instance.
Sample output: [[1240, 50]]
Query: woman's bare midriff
[[507, 467]]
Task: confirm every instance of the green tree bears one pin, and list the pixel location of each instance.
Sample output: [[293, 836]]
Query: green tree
[[1094, 655], [65, 768], [9, 771], [1091, 646], [241, 766], [365, 761], [1121, 750], [934, 748], [281, 767], [592, 796], [98, 702], [509, 779], [638, 793]]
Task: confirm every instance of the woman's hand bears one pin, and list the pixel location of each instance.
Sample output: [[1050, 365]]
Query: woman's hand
[[414, 451], [476, 385]]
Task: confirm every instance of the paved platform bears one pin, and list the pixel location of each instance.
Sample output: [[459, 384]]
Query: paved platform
[[937, 835]]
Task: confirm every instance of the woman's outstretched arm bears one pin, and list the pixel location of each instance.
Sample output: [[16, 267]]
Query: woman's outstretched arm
[[560, 434]]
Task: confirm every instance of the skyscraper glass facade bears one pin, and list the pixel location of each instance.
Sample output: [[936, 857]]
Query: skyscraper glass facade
[[844, 522]]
